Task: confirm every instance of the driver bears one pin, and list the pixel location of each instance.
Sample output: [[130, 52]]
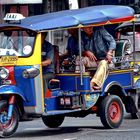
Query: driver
[[47, 62], [7, 42]]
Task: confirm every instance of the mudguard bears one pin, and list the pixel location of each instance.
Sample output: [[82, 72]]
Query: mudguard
[[11, 89], [112, 84]]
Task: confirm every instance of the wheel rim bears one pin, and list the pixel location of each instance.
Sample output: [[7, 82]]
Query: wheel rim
[[114, 112], [9, 123]]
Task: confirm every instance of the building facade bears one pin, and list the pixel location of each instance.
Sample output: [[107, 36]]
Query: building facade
[[44, 6]]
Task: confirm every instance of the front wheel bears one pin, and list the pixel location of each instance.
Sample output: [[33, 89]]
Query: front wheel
[[53, 121], [111, 111], [8, 127]]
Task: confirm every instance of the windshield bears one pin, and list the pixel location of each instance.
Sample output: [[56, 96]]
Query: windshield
[[16, 43]]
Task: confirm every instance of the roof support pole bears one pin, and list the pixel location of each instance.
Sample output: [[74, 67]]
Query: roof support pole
[[80, 55], [134, 43]]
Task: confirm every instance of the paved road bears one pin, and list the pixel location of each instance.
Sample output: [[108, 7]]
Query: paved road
[[88, 128]]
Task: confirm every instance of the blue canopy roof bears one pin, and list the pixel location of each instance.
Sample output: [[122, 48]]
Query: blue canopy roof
[[81, 17]]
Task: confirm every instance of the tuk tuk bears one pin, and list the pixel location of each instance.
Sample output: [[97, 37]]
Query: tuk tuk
[[128, 38], [21, 80]]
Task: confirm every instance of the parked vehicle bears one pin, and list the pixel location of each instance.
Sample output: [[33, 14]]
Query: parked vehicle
[[21, 84]]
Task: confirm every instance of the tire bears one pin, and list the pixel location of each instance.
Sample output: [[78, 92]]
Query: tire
[[53, 121], [111, 112], [8, 128]]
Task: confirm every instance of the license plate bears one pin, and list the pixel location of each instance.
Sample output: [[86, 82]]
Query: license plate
[[65, 101], [9, 60]]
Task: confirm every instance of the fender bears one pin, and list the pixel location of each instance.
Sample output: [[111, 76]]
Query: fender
[[11, 89], [110, 85]]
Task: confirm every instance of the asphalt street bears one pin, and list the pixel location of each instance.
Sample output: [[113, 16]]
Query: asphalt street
[[88, 128]]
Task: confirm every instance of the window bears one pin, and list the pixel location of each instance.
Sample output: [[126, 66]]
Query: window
[[16, 43]]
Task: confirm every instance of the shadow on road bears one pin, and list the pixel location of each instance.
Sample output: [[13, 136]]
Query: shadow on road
[[129, 117], [52, 132], [44, 131]]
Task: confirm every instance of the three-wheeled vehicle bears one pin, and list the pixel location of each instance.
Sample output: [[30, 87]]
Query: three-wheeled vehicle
[[128, 44], [21, 81]]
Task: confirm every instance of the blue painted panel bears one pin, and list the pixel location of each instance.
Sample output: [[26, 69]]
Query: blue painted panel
[[86, 84], [124, 79], [67, 83], [26, 85], [11, 89], [52, 104], [72, 83]]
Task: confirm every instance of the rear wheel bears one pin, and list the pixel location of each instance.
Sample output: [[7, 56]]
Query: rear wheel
[[111, 111], [8, 127], [53, 121]]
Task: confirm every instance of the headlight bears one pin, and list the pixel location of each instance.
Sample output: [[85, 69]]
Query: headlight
[[4, 73], [30, 73]]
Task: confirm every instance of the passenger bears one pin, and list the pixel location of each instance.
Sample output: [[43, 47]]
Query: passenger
[[98, 51], [72, 48], [47, 62]]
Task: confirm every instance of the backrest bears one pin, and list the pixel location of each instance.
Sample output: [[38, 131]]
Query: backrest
[[56, 59]]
